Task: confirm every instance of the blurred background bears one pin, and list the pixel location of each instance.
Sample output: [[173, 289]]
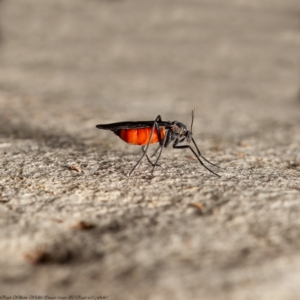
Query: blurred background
[[67, 65], [71, 64]]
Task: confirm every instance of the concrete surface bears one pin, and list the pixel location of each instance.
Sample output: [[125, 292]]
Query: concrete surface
[[73, 223]]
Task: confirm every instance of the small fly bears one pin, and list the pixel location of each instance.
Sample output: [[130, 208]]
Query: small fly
[[144, 133]]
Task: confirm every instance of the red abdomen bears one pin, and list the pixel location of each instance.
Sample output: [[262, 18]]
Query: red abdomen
[[140, 136]]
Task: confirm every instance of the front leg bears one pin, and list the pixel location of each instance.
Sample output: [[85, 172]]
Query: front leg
[[176, 146], [199, 153]]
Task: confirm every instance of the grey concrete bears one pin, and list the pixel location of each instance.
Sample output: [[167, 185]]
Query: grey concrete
[[73, 223]]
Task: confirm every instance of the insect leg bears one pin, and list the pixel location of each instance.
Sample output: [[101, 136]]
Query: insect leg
[[155, 151], [203, 156], [149, 160], [164, 143], [158, 119], [176, 146], [155, 125]]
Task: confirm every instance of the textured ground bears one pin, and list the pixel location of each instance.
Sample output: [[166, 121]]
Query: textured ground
[[73, 223]]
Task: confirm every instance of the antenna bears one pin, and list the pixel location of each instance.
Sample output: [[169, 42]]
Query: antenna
[[193, 114]]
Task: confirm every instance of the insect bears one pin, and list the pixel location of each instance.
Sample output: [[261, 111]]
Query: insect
[[144, 133]]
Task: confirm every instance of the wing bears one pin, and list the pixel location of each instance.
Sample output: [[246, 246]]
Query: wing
[[130, 125]]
